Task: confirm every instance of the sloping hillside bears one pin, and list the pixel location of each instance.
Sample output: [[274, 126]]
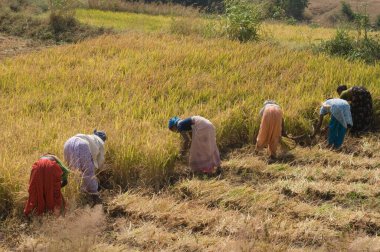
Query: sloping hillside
[[323, 11]]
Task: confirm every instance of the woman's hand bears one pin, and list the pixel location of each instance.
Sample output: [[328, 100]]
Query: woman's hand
[[317, 128], [316, 132], [325, 130], [283, 131]]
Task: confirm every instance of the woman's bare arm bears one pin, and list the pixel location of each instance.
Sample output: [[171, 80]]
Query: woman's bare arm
[[283, 133], [318, 126], [186, 142]]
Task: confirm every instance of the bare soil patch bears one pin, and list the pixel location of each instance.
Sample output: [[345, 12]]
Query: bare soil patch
[[12, 46]]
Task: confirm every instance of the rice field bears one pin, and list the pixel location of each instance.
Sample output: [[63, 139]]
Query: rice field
[[133, 83], [130, 84]]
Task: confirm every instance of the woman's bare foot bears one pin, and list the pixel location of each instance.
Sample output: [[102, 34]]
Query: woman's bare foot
[[272, 159], [218, 171]]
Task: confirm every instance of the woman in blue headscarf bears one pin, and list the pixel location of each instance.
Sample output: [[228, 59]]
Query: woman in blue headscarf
[[199, 133]]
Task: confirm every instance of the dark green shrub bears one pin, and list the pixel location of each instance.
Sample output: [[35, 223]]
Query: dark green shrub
[[18, 24], [364, 48], [25, 6], [362, 25], [277, 12], [347, 11], [42, 5], [242, 21], [341, 45], [15, 6], [62, 23], [282, 9], [18, 5], [291, 21], [292, 8], [209, 6], [377, 22], [367, 49], [57, 29]]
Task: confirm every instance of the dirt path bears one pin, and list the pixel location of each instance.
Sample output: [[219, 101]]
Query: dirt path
[[11, 46]]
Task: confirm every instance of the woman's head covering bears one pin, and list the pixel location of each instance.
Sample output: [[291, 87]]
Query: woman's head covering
[[101, 134], [326, 108], [341, 88], [324, 104], [173, 121], [267, 102]]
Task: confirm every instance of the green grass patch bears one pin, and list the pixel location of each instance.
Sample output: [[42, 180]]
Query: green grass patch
[[121, 21]]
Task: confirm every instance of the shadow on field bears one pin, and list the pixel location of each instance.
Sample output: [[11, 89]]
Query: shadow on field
[[5, 200], [285, 158], [376, 111]]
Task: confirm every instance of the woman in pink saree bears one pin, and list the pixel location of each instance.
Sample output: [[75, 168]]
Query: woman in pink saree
[[199, 133]]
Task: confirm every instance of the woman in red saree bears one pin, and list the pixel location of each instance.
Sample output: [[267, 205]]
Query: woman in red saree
[[47, 177]]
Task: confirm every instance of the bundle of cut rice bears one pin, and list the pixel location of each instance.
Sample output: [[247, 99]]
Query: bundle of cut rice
[[287, 144]]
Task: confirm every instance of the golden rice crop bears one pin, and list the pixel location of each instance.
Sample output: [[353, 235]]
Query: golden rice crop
[[130, 85]]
